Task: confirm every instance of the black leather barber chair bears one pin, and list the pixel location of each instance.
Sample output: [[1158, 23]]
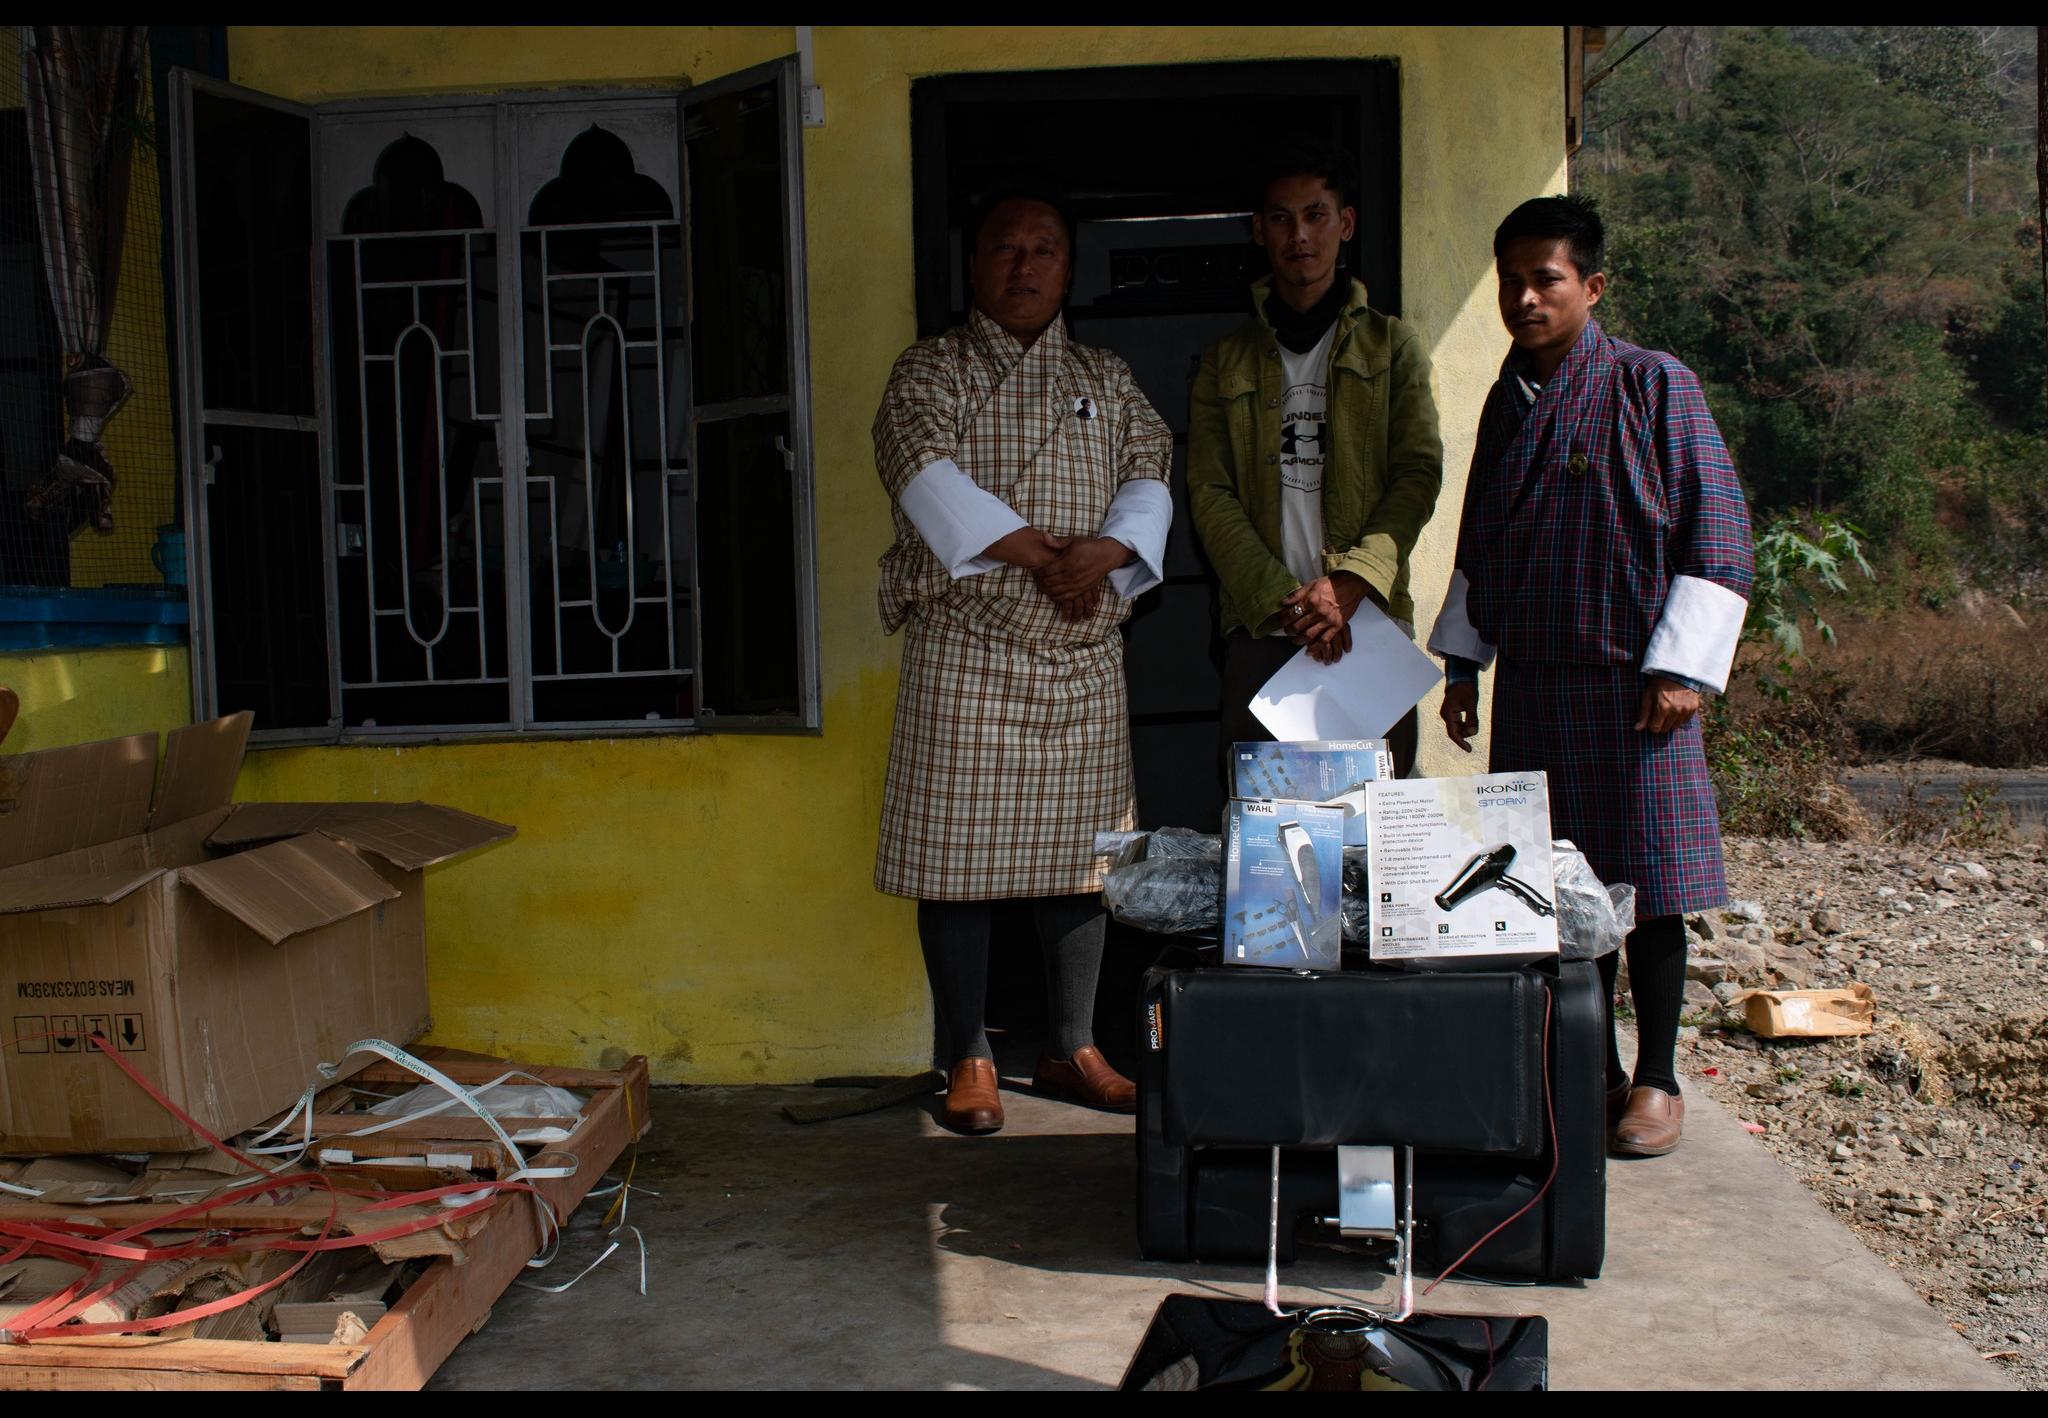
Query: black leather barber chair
[[1343, 1073]]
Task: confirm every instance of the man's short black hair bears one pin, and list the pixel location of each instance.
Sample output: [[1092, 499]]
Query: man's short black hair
[[1019, 188], [1570, 219], [1307, 157]]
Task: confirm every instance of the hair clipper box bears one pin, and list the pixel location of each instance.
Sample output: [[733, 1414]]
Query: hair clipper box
[[1460, 871], [1283, 873], [1314, 770]]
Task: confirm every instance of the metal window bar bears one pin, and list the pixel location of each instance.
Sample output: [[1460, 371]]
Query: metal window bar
[[609, 301], [664, 358], [439, 472], [795, 403], [406, 473], [661, 444]]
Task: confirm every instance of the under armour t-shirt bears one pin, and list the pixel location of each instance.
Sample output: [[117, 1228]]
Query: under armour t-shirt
[[1304, 427]]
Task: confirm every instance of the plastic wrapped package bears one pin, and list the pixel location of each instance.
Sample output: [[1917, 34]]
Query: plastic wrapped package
[[510, 1103], [1593, 918], [1357, 901], [1169, 882]]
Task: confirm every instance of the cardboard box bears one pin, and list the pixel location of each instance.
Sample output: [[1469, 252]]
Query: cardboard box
[[1283, 883], [223, 951], [1314, 770], [1810, 1014], [1460, 871]]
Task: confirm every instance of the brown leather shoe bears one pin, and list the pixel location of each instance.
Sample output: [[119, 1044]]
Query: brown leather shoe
[[1650, 1125], [1617, 1102], [1086, 1078], [972, 1103]]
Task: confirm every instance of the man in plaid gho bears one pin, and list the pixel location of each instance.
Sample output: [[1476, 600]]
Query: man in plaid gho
[[1605, 555], [1028, 475]]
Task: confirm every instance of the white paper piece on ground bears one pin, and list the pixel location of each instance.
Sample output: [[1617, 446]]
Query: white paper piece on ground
[[1363, 695]]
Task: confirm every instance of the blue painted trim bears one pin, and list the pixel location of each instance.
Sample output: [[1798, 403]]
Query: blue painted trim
[[43, 618]]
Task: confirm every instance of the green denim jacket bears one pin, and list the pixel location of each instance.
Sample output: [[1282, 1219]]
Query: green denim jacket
[[1385, 468]]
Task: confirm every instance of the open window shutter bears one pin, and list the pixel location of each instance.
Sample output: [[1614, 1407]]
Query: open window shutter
[[251, 389], [749, 402]]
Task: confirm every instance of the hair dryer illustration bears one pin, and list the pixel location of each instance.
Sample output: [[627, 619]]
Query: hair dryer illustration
[[1486, 871]]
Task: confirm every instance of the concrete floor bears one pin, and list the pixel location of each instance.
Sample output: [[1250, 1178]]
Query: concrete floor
[[884, 1252]]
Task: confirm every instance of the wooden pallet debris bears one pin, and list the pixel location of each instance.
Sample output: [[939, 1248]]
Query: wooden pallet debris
[[457, 1271]]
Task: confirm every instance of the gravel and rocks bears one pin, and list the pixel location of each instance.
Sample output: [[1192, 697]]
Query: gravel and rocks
[[1928, 1136]]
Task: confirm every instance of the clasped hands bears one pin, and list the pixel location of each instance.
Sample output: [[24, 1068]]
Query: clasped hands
[[1318, 616], [1069, 570]]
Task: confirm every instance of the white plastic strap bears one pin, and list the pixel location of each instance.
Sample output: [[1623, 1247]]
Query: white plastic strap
[[427, 1071], [624, 1206], [446, 1104], [302, 1108]]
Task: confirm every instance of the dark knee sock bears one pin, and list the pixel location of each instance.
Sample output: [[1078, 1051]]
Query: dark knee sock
[[1610, 970], [1656, 978], [954, 935], [1071, 931]]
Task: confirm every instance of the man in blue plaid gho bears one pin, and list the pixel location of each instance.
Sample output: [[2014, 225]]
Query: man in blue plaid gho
[[1605, 555]]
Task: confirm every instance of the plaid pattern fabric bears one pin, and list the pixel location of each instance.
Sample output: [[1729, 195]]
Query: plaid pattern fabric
[[1641, 806], [1582, 508], [1005, 763], [1007, 417], [1012, 743]]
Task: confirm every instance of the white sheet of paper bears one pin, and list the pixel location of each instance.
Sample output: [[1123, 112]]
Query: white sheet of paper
[[1381, 677]]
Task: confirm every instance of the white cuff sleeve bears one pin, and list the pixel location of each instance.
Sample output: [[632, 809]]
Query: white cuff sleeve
[[1697, 634], [1453, 633], [957, 518], [1139, 516]]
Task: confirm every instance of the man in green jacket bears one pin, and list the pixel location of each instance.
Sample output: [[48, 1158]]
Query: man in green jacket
[[1313, 455]]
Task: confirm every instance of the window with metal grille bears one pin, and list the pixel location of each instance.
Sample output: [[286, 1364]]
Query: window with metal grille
[[501, 411]]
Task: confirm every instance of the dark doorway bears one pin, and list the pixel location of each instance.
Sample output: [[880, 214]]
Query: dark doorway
[[1159, 162]]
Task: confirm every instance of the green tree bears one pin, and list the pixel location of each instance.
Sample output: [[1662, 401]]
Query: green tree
[[1831, 227]]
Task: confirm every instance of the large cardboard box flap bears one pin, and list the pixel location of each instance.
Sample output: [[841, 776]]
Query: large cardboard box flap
[[411, 836], [61, 799], [250, 823], [50, 893], [179, 845], [201, 763], [292, 886], [418, 835]]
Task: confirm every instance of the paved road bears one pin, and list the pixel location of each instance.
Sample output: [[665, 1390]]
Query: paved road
[[2024, 793]]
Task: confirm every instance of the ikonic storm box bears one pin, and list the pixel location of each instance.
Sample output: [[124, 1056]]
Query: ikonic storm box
[[1460, 871], [222, 950]]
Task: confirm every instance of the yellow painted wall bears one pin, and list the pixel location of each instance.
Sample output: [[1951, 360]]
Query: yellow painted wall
[[638, 910], [77, 696]]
